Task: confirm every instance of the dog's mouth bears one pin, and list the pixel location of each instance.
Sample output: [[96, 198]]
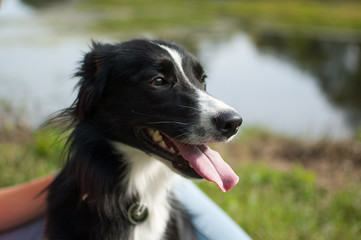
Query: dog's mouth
[[190, 160]]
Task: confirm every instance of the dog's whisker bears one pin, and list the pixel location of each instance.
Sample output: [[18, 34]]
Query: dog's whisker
[[179, 136], [184, 106], [168, 122], [142, 114], [154, 116]]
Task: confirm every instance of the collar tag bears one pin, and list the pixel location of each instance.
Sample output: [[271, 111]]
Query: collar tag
[[137, 213]]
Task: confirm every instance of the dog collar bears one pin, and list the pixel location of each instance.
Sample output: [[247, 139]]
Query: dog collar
[[138, 213]]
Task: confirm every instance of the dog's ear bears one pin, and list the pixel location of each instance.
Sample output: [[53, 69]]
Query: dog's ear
[[93, 75]]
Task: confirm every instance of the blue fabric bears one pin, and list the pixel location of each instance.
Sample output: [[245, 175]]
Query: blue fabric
[[210, 221], [31, 231]]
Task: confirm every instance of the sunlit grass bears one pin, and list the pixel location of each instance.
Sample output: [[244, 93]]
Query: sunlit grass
[[297, 14], [268, 203], [333, 14], [273, 204], [21, 161]]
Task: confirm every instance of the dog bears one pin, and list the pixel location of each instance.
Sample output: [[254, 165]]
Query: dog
[[141, 118]]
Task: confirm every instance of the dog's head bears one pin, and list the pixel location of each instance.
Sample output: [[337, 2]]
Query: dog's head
[[151, 95]]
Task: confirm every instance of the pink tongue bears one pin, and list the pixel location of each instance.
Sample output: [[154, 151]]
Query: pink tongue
[[209, 164]]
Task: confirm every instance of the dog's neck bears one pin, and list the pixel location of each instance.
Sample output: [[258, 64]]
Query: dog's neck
[[151, 180]]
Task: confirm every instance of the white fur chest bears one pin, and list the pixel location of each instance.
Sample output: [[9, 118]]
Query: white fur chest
[[152, 180]]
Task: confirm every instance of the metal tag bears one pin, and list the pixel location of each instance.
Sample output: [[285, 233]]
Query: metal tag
[[137, 213]]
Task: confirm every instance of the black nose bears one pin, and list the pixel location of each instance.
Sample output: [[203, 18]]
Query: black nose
[[228, 123]]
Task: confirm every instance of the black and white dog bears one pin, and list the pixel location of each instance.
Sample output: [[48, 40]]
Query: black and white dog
[[141, 115]]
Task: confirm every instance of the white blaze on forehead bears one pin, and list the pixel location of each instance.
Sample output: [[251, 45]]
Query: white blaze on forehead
[[209, 105], [177, 58], [210, 108]]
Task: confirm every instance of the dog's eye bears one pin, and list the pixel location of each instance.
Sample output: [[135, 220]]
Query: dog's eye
[[203, 81], [203, 78], [159, 81]]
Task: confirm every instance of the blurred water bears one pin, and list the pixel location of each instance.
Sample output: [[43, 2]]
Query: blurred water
[[269, 91], [37, 63]]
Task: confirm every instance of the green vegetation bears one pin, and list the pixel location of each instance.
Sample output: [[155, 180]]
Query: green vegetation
[[25, 155], [277, 197], [273, 204], [160, 14], [299, 13]]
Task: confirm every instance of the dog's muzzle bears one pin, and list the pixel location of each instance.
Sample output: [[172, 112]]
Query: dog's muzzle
[[228, 123]]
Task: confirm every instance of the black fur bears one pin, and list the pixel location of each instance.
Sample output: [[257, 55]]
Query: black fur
[[114, 87], [126, 89]]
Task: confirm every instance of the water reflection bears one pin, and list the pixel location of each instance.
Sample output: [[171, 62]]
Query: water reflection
[[43, 3], [298, 86], [269, 91], [14, 9], [336, 66]]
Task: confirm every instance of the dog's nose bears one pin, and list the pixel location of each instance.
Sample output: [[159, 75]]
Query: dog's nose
[[228, 123]]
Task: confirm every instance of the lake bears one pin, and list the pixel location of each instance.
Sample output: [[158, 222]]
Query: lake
[[304, 86]]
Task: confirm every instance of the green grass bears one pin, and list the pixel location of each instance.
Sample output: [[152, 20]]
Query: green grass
[[299, 13], [137, 15], [268, 203], [271, 204], [21, 161]]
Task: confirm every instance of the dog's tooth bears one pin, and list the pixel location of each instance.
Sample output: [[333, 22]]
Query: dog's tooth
[[171, 150], [190, 165], [84, 197], [163, 145], [154, 135], [157, 137]]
